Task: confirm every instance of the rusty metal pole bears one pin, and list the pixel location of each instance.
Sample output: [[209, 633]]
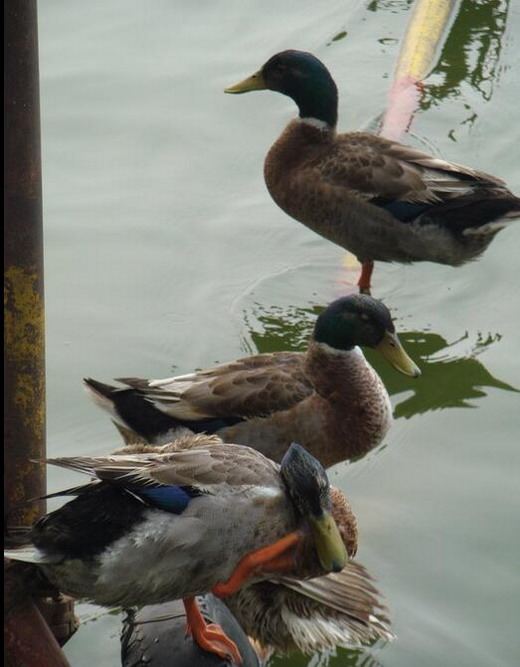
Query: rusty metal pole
[[29, 642], [24, 370]]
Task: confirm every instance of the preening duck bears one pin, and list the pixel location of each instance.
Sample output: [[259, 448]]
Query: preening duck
[[286, 614], [196, 516]]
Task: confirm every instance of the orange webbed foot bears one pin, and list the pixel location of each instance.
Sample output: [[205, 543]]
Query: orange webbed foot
[[209, 636], [276, 557]]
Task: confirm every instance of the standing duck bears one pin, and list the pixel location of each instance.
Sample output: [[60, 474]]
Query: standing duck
[[375, 197], [197, 516], [328, 399]]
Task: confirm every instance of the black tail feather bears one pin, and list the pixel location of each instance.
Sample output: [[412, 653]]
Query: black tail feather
[[136, 413], [471, 211]]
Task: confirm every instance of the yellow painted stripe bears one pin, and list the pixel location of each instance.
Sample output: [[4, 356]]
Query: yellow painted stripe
[[423, 36]]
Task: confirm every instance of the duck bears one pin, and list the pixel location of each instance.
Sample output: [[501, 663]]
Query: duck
[[379, 199], [328, 399], [285, 614], [196, 516]]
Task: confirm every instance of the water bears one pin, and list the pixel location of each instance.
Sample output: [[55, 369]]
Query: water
[[164, 253]]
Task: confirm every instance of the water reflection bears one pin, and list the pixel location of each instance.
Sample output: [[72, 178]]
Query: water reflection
[[340, 658], [452, 375], [340, 35], [448, 380], [277, 328], [471, 53], [391, 5]]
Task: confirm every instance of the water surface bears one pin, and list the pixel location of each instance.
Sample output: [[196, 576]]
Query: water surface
[[164, 253]]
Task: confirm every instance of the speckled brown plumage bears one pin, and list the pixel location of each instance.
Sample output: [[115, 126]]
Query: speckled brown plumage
[[334, 404], [332, 184], [380, 199], [328, 399], [346, 415], [248, 387]]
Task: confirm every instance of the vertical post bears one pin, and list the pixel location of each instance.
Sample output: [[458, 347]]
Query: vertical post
[[24, 371], [28, 640]]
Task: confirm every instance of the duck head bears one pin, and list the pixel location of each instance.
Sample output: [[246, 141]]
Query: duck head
[[361, 320], [308, 486], [300, 76]]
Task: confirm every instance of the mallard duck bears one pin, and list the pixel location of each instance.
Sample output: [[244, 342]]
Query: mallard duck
[[375, 197], [329, 399], [287, 614], [198, 516]]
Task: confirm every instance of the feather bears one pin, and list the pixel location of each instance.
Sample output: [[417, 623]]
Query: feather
[[30, 554], [174, 499], [201, 466], [357, 189]]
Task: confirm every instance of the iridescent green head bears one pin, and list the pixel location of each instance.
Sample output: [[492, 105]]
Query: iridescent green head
[[359, 319], [301, 76], [308, 486]]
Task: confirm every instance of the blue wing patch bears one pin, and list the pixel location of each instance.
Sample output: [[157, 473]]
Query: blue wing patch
[[172, 499], [402, 210]]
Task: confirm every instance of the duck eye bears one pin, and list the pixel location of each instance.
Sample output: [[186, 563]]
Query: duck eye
[[364, 317]]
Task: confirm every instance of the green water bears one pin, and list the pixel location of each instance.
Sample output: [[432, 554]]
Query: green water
[[165, 253]]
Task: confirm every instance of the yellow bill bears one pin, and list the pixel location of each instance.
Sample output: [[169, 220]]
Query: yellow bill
[[329, 544], [253, 82], [394, 353]]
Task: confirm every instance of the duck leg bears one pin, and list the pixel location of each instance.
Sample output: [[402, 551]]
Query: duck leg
[[365, 277], [209, 636], [277, 557]]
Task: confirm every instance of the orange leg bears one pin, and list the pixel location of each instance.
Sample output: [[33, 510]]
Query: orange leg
[[209, 637], [364, 278], [277, 557]]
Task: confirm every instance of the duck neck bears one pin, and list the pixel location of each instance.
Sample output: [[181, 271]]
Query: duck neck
[[318, 103], [334, 372]]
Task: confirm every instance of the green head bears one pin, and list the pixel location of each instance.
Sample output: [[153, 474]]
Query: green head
[[359, 319], [302, 77], [309, 489]]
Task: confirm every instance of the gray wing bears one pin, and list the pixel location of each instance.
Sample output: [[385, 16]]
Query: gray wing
[[205, 464]]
